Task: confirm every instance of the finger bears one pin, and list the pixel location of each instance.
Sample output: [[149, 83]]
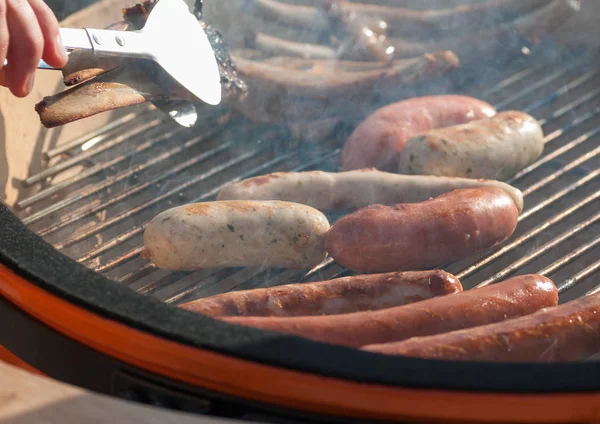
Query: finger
[[54, 51], [26, 47], [3, 33]]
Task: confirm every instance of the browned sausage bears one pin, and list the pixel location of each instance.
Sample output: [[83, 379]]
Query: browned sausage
[[379, 139], [512, 298], [497, 147], [422, 235], [337, 296], [567, 332], [327, 191]]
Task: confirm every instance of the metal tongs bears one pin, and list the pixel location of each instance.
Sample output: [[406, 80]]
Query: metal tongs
[[169, 30]]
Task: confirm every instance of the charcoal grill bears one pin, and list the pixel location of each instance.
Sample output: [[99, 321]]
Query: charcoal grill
[[73, 291]]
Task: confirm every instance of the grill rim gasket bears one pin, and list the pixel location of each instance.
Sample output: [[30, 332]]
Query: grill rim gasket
[[26, 254]]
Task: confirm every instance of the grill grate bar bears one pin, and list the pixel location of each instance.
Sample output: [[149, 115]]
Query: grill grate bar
[[569, 107], [515, 266], [81, 176], [225, 284], [203, 280], [561, 194], [507, 82], [169, 279], [124, 258], [317, 161], [134, 276], [111, 244], [550, 269], [565, 89], [70, 219], [584, 274], [576, 163], [95, 137], [572, 282], [76, 160], [528, 236], [228, 283], [542, 82], [561, 150], [198, 279]]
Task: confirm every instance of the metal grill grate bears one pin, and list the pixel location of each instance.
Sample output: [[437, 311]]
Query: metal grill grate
[[128, 172]]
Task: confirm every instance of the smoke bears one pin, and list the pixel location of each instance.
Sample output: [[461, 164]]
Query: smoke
[[295, 55]]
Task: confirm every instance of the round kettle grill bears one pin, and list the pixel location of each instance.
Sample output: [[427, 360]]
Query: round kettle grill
[[81, 304]]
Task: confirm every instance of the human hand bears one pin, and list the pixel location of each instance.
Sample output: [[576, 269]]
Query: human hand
[[28, 33]]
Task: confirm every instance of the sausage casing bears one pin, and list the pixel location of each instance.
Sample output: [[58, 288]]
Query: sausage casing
[[379, 140], [567, 332], [351, 190], [237, 233], [422, 235], [337, 296], [515, 297], [497, 147]]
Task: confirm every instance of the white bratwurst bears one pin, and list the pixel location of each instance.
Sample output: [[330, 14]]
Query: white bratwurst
[[353, 190], [496, 147], [237, 233]]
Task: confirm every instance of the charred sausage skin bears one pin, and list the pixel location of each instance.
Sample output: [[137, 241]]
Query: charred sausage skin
[[568, 332], [379, 140], [351, 190], [422, 235], [497, 147], [337, 296], [237, 233], [511, 298]]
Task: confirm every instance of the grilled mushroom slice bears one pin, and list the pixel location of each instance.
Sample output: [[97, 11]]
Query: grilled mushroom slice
[[111, 90], [83, 64]]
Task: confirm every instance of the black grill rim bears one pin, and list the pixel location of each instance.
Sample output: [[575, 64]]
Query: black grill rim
[[32, 258]]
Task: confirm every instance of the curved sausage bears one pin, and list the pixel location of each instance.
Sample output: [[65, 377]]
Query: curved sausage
[[380, 138], [351, 190], [568, 332], [337, 296], [236, 233], [512, 298], [497, 147], [422, 235]]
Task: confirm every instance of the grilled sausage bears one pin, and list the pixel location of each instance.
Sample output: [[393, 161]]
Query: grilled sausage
[[568, 332], [337, 296], [352, 190], [497, 147], [379, 140], [236, 233], [512, 298], [422, 235]]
